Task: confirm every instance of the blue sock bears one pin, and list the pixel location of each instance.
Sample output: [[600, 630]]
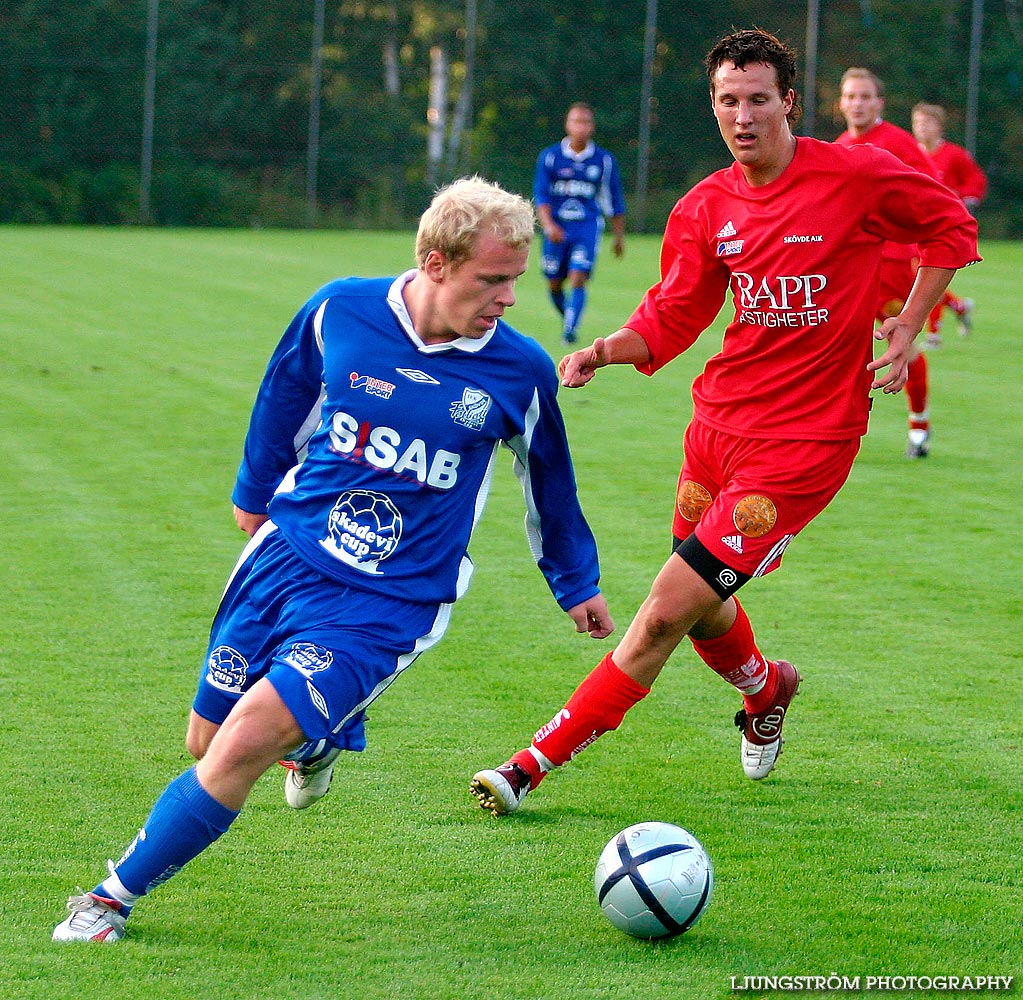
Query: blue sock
[[184, 822], [558, 298], [574, 311]]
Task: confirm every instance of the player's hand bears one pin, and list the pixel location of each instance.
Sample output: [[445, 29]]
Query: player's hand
[[554, 233], [896, 358], [249, 523], [619, 246], [577, 368], [593, 616]]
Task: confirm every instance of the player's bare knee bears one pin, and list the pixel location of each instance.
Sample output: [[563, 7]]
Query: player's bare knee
[[200, 732], [663, 621], [195, 746]]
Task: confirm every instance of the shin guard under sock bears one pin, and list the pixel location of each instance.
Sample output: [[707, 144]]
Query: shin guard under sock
[[574, 310], [598, 705], [185, 820], [735, 657], [916, 392]]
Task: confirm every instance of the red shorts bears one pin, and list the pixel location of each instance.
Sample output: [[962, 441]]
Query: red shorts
[[747, 498], [897, 277]]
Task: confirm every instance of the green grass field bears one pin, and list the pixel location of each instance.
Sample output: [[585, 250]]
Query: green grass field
[[887, 842]]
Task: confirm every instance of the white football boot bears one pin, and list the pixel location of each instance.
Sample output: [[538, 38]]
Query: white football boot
[[93, 918], [502, 789], [761, 731], [304, 786]]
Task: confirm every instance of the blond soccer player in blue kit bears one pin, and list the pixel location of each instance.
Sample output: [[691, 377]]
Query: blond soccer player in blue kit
[[366, 468]]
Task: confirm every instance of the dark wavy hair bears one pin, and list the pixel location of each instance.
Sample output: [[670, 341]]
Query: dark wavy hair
[[754, 45]]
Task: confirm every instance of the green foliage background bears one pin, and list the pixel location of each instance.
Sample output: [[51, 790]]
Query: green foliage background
[[233, 85]]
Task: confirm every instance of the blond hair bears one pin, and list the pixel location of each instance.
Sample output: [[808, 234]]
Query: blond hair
[[935, 111], [464, 209], [862, 73]]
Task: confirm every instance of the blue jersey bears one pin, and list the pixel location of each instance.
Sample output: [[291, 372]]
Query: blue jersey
[[373, 451], [579, 187]]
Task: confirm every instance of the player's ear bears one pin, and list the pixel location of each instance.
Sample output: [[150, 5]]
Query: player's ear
[[433, 266]]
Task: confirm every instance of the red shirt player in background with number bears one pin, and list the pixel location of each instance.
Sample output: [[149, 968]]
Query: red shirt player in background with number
[[956, 169], [861, 104], [795, 229]]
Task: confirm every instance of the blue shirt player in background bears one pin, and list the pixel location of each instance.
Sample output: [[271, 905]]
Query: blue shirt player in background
[[576, 185], [365, 470]]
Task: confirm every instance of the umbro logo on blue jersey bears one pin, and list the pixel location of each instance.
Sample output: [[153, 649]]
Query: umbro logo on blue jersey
[[415, 375]]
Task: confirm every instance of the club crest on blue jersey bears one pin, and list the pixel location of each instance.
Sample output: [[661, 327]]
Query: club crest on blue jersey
[[363, 529], [472, 409], [308, 658], [227, 669]]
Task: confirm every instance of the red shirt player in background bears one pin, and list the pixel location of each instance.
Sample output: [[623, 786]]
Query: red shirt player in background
[[861, 104], [958, 170], [794, 229]]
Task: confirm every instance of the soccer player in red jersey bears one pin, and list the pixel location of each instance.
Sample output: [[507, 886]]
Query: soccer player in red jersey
[[955, 168], [861, 104], [795, 229]]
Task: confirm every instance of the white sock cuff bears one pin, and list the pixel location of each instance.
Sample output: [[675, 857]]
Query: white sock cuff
[[545, 764], [113, 887]]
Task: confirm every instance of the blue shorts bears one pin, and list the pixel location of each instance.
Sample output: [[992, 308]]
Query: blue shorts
[[328, 649], [577, 252]]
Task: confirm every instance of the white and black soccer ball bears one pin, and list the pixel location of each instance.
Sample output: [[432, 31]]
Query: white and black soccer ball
[[653, 880]]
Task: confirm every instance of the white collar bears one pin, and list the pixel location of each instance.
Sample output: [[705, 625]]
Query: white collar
[[395, 299], [566, 148]]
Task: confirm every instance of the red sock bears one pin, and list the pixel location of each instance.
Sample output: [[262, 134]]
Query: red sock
[[916, 390], [598, 705], [735, 657]]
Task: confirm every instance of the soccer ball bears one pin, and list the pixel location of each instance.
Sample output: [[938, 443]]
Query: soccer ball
[[653, 880]]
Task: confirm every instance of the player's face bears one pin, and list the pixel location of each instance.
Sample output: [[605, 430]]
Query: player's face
[[471, 296], [751, 113], [926, 129], [579, 127], [860, 104]]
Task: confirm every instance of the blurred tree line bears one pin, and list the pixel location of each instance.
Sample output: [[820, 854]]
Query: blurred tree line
[[410, 98]]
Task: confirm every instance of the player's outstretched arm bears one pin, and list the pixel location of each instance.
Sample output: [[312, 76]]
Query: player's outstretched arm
[[900, 331], [624, 347], [593, 616]]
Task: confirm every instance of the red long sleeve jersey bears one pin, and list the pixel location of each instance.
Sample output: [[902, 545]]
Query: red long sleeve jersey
[[959, 171], [896, 140], [801, 256], [900, 143]]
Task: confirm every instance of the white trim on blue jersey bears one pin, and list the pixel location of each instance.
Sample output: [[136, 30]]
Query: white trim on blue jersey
[[398, 469], [428, 641]]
